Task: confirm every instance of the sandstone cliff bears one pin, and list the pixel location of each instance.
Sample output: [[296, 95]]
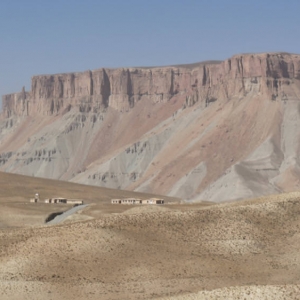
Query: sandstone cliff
[[122, 88], [197, 131]]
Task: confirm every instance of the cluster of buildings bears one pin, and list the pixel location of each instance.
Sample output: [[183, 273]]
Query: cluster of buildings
[[113, 201], [57, 200], [137, 201]]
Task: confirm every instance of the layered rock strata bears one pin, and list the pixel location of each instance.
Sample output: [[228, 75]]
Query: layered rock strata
[[205, 131], [122, 88]]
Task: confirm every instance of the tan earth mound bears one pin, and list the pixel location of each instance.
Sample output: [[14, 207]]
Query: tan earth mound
[[146, 209], [228, 251], [268, 292]]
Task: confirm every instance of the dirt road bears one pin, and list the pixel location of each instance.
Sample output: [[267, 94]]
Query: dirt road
[[60, 218]]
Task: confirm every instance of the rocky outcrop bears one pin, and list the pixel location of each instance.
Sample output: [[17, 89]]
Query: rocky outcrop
[[122, 88], [15, 104]]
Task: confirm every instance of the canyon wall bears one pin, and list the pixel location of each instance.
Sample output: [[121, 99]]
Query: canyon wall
[[122, 88], [206, 131]]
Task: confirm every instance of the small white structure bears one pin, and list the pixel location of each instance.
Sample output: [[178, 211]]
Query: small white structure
[[126, 201], [35, 199], [56, 200], [153, 201], [137, 201], [74, 201], [131, 201], [115, 201], [64, 201]]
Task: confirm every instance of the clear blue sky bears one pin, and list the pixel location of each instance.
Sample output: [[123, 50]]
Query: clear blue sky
[[53, 36]]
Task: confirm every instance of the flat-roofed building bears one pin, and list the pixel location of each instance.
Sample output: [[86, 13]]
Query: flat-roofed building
[[74, 201], [131, 201], [115, 201], [137, 201], [64, 200], [153, 201]]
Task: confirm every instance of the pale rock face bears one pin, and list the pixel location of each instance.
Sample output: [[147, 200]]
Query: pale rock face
[[199, 130], [121, 88]]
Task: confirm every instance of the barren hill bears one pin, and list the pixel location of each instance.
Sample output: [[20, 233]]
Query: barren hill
[[240, 250], [207, 131]]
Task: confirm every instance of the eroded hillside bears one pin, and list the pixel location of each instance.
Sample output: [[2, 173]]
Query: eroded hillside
[[209, 131]]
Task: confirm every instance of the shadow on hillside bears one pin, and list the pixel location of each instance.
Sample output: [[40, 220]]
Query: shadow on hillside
[[52, 216]]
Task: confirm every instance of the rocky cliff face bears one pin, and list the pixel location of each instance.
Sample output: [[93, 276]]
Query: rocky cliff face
[[122, 88], [179, 130]]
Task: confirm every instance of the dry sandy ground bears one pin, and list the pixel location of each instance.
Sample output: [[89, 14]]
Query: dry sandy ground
[[272, 292], [239, 250], [16, 190]]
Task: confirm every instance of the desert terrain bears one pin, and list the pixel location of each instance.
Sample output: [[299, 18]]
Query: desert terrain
[[207, 135], [236, 250]]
